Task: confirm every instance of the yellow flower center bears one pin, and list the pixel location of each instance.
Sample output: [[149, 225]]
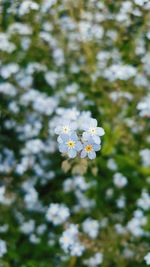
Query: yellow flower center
[[92, 130], [65, 239], [71, 144], [66, 129], [88, 148]]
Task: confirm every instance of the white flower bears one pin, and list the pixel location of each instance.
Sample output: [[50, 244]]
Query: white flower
[[7, 89], [34, 239], [147, 258], [5, 44], [48, 4], [20, 28], [69, 241], [119, 180], [92, 131], [65, 127], [144, 106], [135, 226], [27, 227], [33, 147], [51, 78], [111, 164], [8, 70], [145, 155], [121, 201], [95, 260], [117, 71], [141, 2], [26, 6], [91, 227], [57, 213], [2, 193], [3, 248], [144, 201]]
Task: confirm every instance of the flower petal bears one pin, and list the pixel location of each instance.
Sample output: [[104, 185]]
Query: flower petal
[[72, 153], [84, 126], [92, 155], [63, 148], [85, 136], [100, 131], [83, 154], [93, 122], [96, 139], [74, 136], [64, 137], [73, 126], [57, 130], [79, 146], [96, 147], [59, 139]]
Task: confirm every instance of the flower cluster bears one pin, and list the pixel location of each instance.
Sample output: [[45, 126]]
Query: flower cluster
[[76, 139], [70, 242], [57, 214]]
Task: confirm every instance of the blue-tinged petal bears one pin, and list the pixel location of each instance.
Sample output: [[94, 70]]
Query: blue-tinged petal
[[83, 154], [85, 127], [79, 146], [100, 131], [74, 136], [63, 148], [57, 130], [93, 123], [59, 139], [64, 137], [96, 147], [85, 136], [96, 139], [92, 155], [66, 123], [90, 140], [72, 153], [73, 126]]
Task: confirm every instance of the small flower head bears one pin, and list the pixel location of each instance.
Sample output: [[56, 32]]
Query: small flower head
[[147, 258], [89, 148], [70, 242], [3, 248], [88, 141], [66, 127], [69, 144], [57, 213], [92, 131]]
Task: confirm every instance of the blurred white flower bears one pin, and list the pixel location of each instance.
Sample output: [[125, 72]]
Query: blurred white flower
[[69, 241], [94, 261], [3, 248], [57, 213], [147, 258], [119, 180], [91, 227]]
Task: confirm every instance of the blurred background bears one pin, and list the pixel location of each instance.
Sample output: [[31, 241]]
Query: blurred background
[[65, 58]]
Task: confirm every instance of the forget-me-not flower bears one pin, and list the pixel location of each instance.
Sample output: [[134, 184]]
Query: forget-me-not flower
[[66, 127], [70, 144], [89, 148], [92, 131]]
